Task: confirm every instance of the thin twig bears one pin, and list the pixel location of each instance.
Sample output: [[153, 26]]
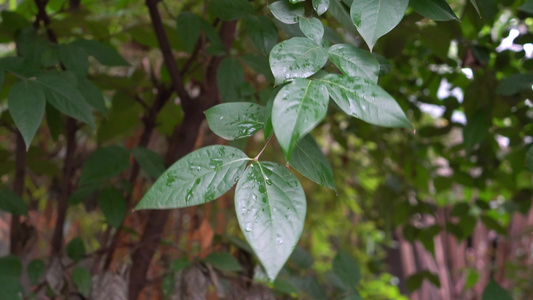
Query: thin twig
[[264, 147]]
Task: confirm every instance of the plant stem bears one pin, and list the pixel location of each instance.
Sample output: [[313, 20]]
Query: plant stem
[[264, 147]]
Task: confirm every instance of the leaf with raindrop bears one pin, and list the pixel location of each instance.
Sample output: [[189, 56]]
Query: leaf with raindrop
[[298, 108], [235, 120], [200, 177], [270, 205], [365, 100], [286, 12], [354, 62]]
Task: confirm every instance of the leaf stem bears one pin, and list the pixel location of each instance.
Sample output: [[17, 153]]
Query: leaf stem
[[264, 147]]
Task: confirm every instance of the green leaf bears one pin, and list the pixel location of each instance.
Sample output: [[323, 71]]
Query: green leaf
[[286, 12], [375, 18], [474, 3], [82, 279], [514, 84], [475, 130], [228, 10], [233, 121], [104, 53], [309, 160], [260, 64], [12, 203], [26, 105], [365, 100], [472, 278], [493, 224], [301, 258], [189, 27], [354, 62], [346, 268], [262, 32], [269, 130], [74, 58], [223, 261], [297, 109], [526, 7], [113, 205], [312, 28], [11, 288], [104, 163], [284, 287], [60, 91], [197, 178], [35, 270], [296, 58], [230, 77], [493, 291], [11, 266], [76, 249], [151, 163], [92, 94], [529, 159], [271, 206], [437, 10], [320, 6]]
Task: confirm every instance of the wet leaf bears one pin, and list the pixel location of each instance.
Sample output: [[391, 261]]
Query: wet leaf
[[312, 28], [309, 160], [354, 62], [286, 12], [320, 6], [270, 205], [233, 121]]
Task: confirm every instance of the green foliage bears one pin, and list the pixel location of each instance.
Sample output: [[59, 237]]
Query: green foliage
[[233, 121], [35, 270], [12, 203], [494, 291], [82, 279], [113, 205], [76, 249], [347, 269], [223, 261]]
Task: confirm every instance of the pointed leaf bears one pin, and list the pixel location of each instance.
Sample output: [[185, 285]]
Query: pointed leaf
[[60, 91], [76, 249], [297, 109], [197, 178], [365, 100], [82, 279], [228, 10], [223, 261], [475, 130], [375, 18], [312, 28], [189, 27], [12, 203], [309, 160], [104, 53], [74, 58], [271, 206], [233, 121], [437, 10], [150, 162], [514, 84], [230, 77], [35, 270], [104, 163], [354, 62], [493, 291], [92, 94], [262, 32], [474, 3], [286, 12], [296, 58], [320, 6], [527, 7], [26, 105], [347, 269], [113, 205]]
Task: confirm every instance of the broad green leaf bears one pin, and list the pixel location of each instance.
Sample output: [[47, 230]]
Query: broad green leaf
[[228, 10], [309, 160], [529, 159], [92, 94], [26, 105], [346, 268], [320, 6], [54, 121], [301, 258], [437, 10], [189, 27], [11, 288], [296, 58], [12, 203], [104, 163], [76, 249], [286, 12], [375, 18], [269, 130], [11, 266], [514, 84], [297, 109], [262, 32], [285, 287], [526, 7], [150, 162], [341, 13], [35, 270], [354, 62], [223, 261], [113, 205], [83, 192], [493, 291], [233, 121], [178, 264], [170, 116], [82, 279], [365, 100], [230, 77], [74, 58], [312, 28], [12, 21], [260, 64], [104, 53], [271, 206], [60, 91], [475, 130], [200, 177]]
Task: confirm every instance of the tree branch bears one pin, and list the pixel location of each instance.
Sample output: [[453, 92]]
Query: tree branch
[[16, 240]]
